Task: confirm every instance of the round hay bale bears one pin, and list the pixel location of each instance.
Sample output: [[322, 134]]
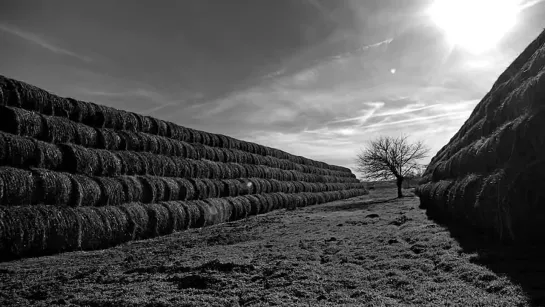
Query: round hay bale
[[79, 160], [131, 122], [159, 222], [225, 171], [189, 151], [60, 130], [138, 219], [17, 151], [222, 209], [177, 148], [22, 232], [195, 214], [77, 110], [119, 230], [62, 229], [164, 146], [230, 187], [200, 150], [172, 189], [212, 192], [255, 204], [95, 229], [108, 139], [149, 142], [187, 190], [236, 170], [176, 132], [153, 189], [238, 211], [155, 163], [112, 192], [146, 122], [132, 188], [85, 191], [213, 169], [229, 155], [209, 153], [86, 136], [18, 187], [52, 188], [256, 186], [265, 205], [130, 140], [178, 219], [109, 164], [132, 163], [21, 122], [200, 188], [162, 128], [183, 167], [170, 169], [283, 200]]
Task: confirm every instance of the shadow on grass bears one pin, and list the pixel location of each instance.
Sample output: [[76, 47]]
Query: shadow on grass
[[358, 205], [522, 264]]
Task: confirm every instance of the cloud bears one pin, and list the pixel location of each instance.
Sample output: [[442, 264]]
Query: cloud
[[33, 38]]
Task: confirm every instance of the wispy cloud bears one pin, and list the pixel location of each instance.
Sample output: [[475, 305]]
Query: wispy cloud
[[529, 3], [40, 41]]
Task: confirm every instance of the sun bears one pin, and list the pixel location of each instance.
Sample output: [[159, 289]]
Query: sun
[[475, 25]]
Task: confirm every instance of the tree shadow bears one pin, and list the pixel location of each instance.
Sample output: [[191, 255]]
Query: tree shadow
[[522, 264]]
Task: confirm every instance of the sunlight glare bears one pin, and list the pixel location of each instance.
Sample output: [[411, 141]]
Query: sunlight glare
[[475, 25]]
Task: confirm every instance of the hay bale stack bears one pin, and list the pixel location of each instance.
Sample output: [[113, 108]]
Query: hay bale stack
[[486, 160]]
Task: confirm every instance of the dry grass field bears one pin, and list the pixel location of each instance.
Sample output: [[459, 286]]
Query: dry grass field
[[372, 250]]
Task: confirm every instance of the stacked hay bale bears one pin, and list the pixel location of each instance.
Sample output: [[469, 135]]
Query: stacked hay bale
[[75, 175], [490, 173]]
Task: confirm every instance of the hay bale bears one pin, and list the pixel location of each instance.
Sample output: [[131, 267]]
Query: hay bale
[[156, 164], [132, 188], [209, 214], [108, 139], [238, 210], [52, 188], [17, 151], [112, 193], [178, 218], [109, 164], [95, 228], [132, 163], [225, 171], [265, 205], [146, 123], [21, 122], [164, 145], [189, 151], [18, 187], [119, 230], [153, 189], [213, 169], [255, 204], [149, 143], [200, 151], [130, 140], [200, 188], [170, 169], [159, 222], [230, 187], [212, 192], [172, 189], [196, 216], [138, 220], [176, 132], [187, 190], [196, 168], [79, 160], [183, 167], [85, 191], [221, 207], [22, 232], [131, 122]]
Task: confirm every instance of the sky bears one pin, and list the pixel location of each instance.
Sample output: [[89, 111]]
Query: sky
[[316, 78]]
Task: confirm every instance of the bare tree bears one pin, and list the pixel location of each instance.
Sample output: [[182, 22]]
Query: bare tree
[[391, 157]]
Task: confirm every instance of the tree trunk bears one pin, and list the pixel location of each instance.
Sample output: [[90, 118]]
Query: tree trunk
[[399, 182]]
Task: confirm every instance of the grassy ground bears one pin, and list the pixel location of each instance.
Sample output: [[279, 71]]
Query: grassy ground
[[368, 251]]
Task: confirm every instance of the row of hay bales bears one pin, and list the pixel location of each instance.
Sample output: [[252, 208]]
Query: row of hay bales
[[18, 94], [41, 230], [76, 175], [490, 175], [57, 130], [26, 152], [40, 186]]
